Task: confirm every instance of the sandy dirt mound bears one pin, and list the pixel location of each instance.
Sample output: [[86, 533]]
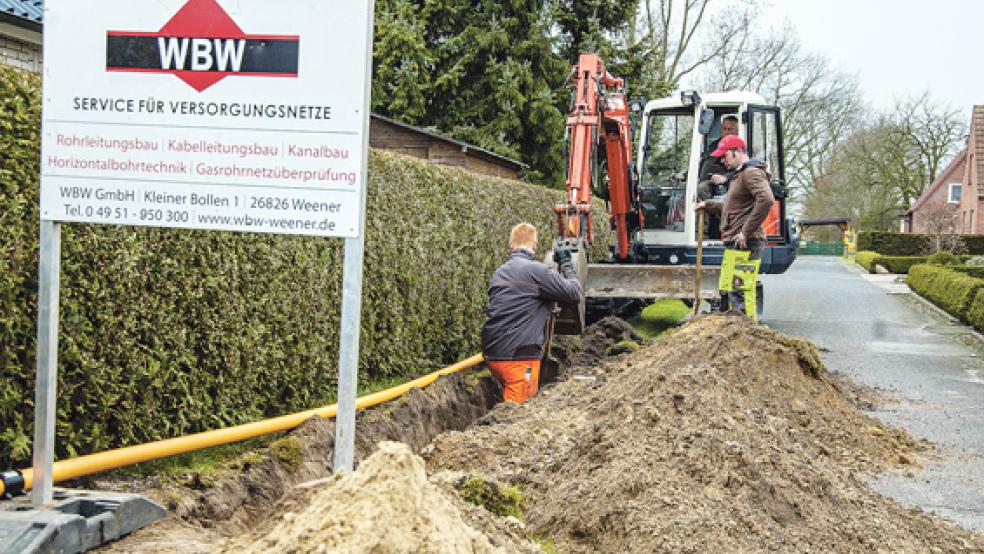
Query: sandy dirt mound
[[724, 437], [204, 511], [387, 506]]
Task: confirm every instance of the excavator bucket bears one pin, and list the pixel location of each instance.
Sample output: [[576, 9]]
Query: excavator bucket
[[630, 281], [570, 317], [641, 281]]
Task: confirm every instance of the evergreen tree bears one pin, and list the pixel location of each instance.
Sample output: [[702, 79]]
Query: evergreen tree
[[599, 26], [486, 72], [402, 62]]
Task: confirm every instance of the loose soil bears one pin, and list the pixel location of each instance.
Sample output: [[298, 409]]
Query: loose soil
[[387, 505], [724, 437], [204, 510]]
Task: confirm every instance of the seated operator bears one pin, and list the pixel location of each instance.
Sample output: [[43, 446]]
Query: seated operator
[[713, 173]]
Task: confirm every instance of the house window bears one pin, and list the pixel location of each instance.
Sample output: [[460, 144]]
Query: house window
[[954, 196]]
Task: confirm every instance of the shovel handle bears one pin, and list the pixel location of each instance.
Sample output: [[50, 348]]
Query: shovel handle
[[700, 255]]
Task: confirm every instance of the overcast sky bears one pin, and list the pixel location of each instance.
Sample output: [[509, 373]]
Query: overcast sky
[[896, 47]]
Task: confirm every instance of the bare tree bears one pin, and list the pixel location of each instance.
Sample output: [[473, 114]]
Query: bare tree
[[681, 36], [908, 146], [820, 105], [932, 133], [942, 224], [879, 170]]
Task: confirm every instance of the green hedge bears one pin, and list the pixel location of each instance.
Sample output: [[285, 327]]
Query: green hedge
[[166, 332], [910, 244], [972, 270], [951, 290], [892, 244], [867, 260], [900, 264], [975, 313]]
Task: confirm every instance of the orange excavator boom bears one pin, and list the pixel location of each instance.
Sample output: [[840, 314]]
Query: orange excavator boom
[[599, 119]]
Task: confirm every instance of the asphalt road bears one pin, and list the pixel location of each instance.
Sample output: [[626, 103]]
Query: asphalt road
[[882, 336]]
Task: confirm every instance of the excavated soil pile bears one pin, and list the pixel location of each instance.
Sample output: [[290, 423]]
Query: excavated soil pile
[[598, 342], [724, 437], [386, 506]]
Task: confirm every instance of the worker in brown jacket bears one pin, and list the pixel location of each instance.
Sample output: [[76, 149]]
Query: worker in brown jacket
[[746, 205]]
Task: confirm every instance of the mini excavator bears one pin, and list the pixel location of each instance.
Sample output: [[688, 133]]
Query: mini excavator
[[651, 198]]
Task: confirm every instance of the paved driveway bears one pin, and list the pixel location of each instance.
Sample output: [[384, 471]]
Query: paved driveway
[[882, 336]]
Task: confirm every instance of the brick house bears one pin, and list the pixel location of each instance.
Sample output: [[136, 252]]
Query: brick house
[[955, 200], [20, 33]]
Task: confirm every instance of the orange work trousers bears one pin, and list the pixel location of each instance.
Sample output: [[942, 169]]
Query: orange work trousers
[[519, 378]]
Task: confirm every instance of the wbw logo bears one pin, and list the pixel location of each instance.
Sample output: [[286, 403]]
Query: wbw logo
[[205, 54], [201, 45]]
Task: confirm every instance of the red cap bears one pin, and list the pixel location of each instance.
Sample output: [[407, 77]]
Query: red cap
[[729, 142]]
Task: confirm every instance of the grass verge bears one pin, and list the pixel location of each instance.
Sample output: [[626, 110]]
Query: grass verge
[[659, 318]]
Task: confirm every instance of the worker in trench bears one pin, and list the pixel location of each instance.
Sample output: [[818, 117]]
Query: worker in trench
[[743, 211], [521, 297]]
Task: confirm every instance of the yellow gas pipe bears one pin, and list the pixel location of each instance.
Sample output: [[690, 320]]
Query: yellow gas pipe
[[111, 459]]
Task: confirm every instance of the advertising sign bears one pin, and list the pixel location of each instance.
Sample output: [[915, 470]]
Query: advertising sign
[[243, 115]]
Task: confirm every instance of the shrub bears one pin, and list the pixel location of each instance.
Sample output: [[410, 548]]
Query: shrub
[[911, 244], [973, 244], [867, 260], [972, 270], [951, 290], [975, 313], [900, 264], [943, 258], [892, 244], [166, 332]]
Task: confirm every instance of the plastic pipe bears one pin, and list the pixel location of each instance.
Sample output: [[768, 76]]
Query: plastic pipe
[[73, 468]]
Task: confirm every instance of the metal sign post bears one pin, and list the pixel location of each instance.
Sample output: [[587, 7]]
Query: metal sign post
[[46, 384], [348, 347]]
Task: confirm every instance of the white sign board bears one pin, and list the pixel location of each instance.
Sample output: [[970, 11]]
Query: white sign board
[[243, 115]]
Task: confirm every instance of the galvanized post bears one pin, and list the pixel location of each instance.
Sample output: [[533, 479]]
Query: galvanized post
[[348, 348], [46, 384], [348, 356]]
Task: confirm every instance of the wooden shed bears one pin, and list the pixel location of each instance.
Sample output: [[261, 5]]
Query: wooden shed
[[390, 134]]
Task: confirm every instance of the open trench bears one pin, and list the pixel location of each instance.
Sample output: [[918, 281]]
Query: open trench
[[725, 436], [202, 512]]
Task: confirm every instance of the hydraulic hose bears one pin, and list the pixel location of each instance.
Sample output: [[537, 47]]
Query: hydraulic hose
[[73, 468]]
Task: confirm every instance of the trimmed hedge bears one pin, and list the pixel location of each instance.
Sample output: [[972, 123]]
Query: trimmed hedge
[[944, 258], [975, 313], [867, 260], [954, 291], [900, 264], [972, 270], [892, 244], [910, 244], [166, 332]]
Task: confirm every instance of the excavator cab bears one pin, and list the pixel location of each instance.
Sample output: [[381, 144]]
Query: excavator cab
[[677, 136]]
